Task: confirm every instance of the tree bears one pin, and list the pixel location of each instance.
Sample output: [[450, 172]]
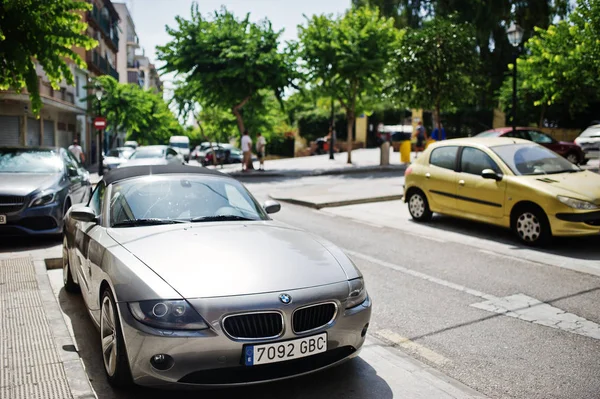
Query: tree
[[42, 31], [437, 66], [226, 61], [143, 115], [561, 64], [347, 56]]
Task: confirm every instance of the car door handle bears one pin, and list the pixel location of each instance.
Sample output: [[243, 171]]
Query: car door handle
[[461, 182], [428, 175]]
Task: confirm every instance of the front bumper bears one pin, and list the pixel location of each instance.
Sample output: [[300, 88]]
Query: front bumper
[[39, 220], [575, 223], [209, 358]]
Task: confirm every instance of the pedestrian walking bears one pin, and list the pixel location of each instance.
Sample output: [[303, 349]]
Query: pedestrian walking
[[246, 151], [421, 136], [77, 151], [261, 146]]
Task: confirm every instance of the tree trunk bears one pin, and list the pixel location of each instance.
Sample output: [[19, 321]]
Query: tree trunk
[[240, 122], [542, 115], [350, 119]]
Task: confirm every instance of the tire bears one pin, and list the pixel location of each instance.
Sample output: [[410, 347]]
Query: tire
[[530, 224], [573, 158], [112, 344], [69, 283], [418, 206]]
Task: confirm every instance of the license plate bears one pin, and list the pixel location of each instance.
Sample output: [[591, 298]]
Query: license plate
[[2, 219], [287, 350]]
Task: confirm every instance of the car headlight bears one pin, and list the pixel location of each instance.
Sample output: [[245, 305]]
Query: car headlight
[[358, 293], [577, 204], [169, 315], [43, 198]]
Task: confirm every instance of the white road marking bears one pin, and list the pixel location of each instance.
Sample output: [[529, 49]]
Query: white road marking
[[519, 306], [530, 309], [406, 343], [428, 238]]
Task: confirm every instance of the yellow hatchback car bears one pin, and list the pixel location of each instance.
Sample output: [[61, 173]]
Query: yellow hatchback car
[[507, 182]]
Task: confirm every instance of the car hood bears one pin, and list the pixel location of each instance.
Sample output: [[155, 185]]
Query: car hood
[[581, 185], [144, 161], [22, 184], [231, 258]]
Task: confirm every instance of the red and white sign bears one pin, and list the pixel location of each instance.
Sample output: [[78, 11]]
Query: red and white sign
[[100, 123]]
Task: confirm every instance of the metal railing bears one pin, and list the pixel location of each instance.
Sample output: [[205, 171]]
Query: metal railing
[[106, 24]]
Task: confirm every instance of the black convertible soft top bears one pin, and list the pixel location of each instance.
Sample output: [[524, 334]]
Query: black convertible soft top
[[147, 170]]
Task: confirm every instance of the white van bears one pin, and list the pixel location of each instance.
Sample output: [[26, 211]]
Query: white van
[[182, 145]]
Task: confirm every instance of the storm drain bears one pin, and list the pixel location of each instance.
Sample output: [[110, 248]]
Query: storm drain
[[30, 366]]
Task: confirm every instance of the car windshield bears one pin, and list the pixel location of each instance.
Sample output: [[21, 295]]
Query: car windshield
[[152, 152], [179, 145], [533, 159], [593, 131], [489, 133], [181, 198], [29, 161]]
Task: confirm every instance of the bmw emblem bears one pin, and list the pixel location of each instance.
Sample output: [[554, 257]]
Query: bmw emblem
[[285, 298]]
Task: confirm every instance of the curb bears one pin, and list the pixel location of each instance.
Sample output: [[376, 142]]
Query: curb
[[333, 204], [77, 379], [323, 172]]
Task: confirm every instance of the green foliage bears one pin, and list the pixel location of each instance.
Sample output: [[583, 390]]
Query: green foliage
[[437, 66], [224, 61], [562, 63], [143, 115], [346, 57], [42, 31]]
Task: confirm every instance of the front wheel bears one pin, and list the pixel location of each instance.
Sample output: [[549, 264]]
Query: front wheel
[[573, 158], [68, 281], [531, 225], [418, 206], [114, 354]]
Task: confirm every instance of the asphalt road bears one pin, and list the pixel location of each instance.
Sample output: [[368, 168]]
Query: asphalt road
[[436, 298], [424, 285]]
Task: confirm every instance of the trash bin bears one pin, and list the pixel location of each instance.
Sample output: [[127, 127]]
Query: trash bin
[[405, 147], [385, 153]]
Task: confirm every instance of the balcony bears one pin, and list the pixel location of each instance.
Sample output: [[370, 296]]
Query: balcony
[[100, 64], [106, 25], [62, 95], [133, 40]]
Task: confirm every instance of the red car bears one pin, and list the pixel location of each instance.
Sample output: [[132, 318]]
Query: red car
[[570, 151]]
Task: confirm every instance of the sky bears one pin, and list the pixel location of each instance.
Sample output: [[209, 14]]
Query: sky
[[151, 16]]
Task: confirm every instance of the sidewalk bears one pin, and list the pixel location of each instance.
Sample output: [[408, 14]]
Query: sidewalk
[[38, 358], [363, 161]]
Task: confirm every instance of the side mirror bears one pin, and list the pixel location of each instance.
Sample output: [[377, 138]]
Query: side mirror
[[72, 172], [272, 207], [490, 174], [83, 214]]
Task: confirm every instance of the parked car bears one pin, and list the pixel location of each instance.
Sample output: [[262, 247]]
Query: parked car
[[199, 151], [508, 182], [132, 144], [116, 157], [571, 151], [242, 315], [589, 140], [153, 155], [37, 187], [181, 144]]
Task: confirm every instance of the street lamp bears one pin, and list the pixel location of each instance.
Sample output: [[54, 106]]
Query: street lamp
[[515, 35], [99, 94]]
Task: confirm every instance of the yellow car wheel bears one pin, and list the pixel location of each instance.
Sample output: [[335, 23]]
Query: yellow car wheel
[[418, 206], [531, 225]]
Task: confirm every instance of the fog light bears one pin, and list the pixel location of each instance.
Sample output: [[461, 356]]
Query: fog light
[[364, 330], [162, 361]]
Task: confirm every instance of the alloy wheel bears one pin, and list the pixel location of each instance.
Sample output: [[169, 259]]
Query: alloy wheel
[[108, 336], [416, 205], [529, 227], [573, 158], [65, 257]]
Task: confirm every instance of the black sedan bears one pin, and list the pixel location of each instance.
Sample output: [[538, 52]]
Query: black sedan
[[37, 187]]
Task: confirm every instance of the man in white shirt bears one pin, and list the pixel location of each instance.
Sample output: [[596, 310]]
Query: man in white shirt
[[246, 150], [77, 151], [261, 146]]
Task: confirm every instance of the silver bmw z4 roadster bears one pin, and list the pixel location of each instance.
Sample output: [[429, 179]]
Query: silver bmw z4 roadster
[[192, 284]]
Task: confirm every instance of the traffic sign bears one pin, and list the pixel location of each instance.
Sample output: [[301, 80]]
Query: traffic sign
[[100, 123]]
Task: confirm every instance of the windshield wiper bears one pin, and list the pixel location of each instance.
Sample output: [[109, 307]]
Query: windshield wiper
[[145, 222], [564, 171], [218, 218]]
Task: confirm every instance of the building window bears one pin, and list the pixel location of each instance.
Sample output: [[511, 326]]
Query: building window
[[77, 86]]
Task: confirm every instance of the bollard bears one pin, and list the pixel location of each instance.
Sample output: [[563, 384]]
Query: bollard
[[385, 153], [405, 148]]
